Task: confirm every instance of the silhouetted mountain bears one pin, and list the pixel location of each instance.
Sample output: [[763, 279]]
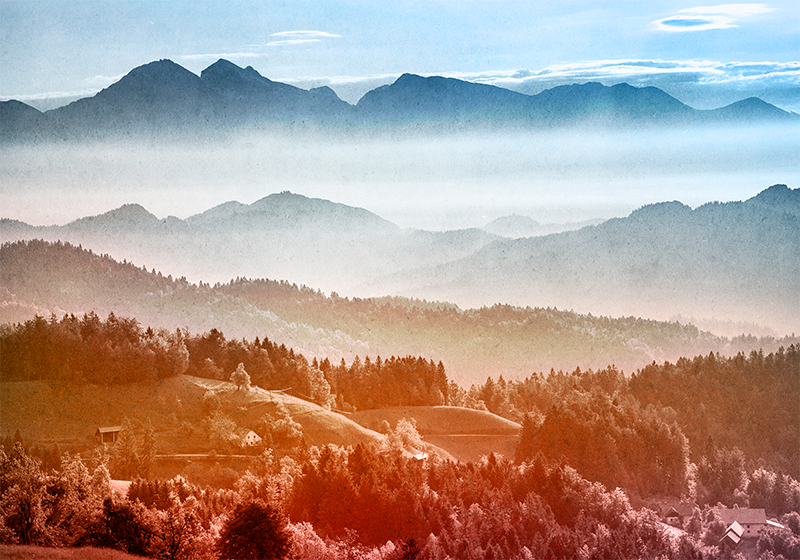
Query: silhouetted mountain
[[159, 96], [751, 108], [251, 99], [163, 98], [126, 216], [316, 242], [291, 212], [18, 120], [515, 226], [413, 98], [620, 103], [737, 261]]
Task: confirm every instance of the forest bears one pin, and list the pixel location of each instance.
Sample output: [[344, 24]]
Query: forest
[[710, 429]]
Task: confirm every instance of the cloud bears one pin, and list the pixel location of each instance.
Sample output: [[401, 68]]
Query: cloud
[[304, 34], [216, 56], [704, 18], [730, 9], [291, 42]]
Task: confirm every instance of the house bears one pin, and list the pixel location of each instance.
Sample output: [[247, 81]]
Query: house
[[752, 521], [676, 513], [107, 434], [673, 517], [733, 535], [250, 439]]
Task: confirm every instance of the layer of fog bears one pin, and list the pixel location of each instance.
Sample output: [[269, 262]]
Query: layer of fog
[[421, 181]]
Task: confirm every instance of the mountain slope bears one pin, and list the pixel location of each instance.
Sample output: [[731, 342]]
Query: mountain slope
[[739, 261], [249, 98], [288, 236], [159, 96], [164, 99], [18, 120]]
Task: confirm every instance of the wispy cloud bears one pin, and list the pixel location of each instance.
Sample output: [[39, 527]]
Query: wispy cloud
[[216, 56], [707, 71], [740, 10], [303, 34], [288, 38], [705, 18], [291, 42]]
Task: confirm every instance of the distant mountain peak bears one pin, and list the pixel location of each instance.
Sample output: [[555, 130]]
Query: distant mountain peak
[[161, 71], [226, 72], [779, 196], [127, 214], [661, 209]]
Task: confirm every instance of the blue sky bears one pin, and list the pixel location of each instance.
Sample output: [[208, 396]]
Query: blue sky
[[707, 55]]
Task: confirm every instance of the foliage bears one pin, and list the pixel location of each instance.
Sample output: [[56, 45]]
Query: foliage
[[254, 531], [134, 451], [240, 378], [89, 350], [743, 402]]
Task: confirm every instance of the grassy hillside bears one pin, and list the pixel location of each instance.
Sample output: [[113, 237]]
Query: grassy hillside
[[69, 415], [22, 552], [464, 433]]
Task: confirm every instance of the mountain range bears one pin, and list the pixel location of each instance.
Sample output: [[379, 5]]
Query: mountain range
[[737, 261], [163, 98]]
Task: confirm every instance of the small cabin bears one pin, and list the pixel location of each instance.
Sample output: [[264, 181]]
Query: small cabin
[[107, 434], [673, 517], [676, 513], [250, 439]]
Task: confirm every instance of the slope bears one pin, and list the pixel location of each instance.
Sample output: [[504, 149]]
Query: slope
[[284, 235], [465, 433], [738, 261]]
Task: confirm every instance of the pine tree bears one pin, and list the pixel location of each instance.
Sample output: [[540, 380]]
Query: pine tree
[[526, 447]]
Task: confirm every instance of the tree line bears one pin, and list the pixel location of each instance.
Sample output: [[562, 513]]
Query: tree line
[[119, 350]]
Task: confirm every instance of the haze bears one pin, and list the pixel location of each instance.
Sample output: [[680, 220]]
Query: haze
[[433, 183]]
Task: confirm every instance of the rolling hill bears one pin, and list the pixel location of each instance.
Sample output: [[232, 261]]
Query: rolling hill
[[464, 433], [53, 414], [43, 278], [737, 262], [288, 236]]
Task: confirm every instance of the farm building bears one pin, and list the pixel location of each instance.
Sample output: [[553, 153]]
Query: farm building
[[752, 521], [107, 434]]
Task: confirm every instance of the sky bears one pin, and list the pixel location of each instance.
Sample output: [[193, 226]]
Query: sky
[[706, 55]]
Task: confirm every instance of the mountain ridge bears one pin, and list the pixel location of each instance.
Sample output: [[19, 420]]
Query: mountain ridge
[[41, 278], [162, 97], [734, 261], [738, 260]]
